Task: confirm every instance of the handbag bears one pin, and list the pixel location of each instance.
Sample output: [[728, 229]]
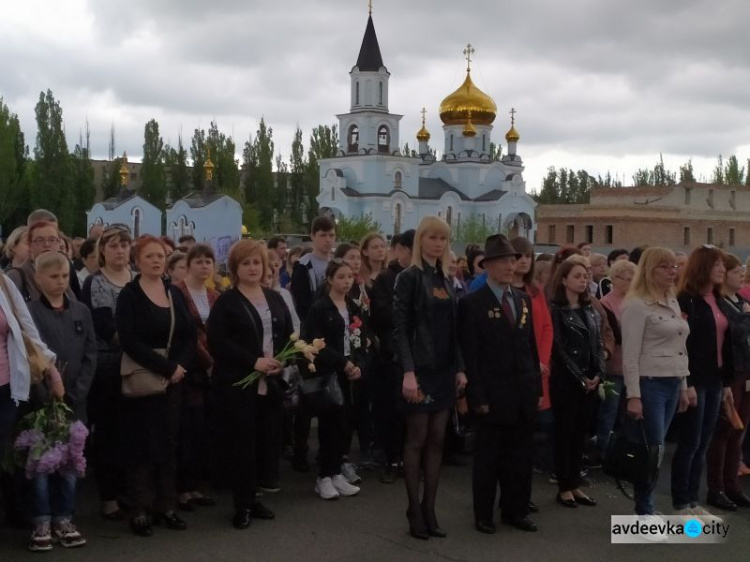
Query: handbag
[[630, 461], [38, 363], [322, 394], [137, 381]]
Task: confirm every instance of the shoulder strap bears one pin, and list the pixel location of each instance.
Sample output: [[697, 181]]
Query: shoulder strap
[[171, 320]]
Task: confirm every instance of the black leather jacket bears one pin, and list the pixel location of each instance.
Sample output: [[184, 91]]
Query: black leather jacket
[[413, 321], [739, 323], [577, 351]]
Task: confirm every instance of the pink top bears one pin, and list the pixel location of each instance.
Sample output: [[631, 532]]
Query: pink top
[[745, 292], [613, 302], [721, 325], [4, 362]]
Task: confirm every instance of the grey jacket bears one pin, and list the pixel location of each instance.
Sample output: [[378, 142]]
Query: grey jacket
[[70, 334]]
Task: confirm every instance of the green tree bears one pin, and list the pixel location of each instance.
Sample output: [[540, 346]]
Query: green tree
[[52, 183], [176, 168], [226, 171], [297, 178], [153, 178], [496, 152], [733, 173], [475, 229], [324, 142], [83, 181], [280, 192], [686, 172], [718, 176], [13, 165], [198, 156], [355, 228]]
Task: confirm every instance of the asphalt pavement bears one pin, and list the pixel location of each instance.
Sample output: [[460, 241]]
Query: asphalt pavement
[[373, 527]]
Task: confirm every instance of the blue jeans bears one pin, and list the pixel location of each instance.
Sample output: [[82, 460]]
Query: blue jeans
[[608, 413], [659, 399], [690, 456], [53, 497]]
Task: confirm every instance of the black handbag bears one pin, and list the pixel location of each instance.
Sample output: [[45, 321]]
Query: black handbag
[[322, 394], [629, 461]]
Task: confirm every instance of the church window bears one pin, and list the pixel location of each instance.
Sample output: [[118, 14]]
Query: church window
[[333, 194], [484, 143], [356, 94], [451, 149], [570, 234], [384, 140], [397, 216], [449, 216], [380, 93], [397, 180], [353, 138], [137, 222]]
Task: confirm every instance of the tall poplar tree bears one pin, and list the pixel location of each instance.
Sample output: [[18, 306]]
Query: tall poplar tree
[[153, 180], [13, 166]]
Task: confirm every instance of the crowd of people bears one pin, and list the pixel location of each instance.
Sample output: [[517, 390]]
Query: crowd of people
[[146, 341]]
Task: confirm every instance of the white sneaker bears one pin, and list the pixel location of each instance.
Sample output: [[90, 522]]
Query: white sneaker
[[704, 513], [349, 471], [67, 535], [41, 538], [653, 519], [325, 489], [343, 487]]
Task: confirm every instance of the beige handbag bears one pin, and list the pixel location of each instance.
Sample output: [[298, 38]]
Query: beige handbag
[[38, 363], [137, 381]]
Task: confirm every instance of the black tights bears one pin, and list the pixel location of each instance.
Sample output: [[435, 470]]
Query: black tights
[[425, 434]]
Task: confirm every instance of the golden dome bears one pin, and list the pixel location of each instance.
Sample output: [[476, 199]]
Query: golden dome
[[470, 130], [512, 135], [208, 167], [423, 135], [468, 100], [124, 174]]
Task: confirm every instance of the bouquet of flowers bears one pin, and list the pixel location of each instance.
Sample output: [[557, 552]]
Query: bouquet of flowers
[[293, 349], [50, 442], [607, 389]]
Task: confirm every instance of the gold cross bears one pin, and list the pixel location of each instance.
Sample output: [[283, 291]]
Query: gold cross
[[468, 51], [512, 116], [424, 115]]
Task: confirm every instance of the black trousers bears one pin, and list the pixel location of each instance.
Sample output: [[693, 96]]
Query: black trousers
[[269, 443], [503, 453], [572, 408], [238, 413], [332, 437], [387, 417]]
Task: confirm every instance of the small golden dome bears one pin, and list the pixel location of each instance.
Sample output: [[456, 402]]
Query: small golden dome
[[512, 135], [208, 167], [124, 174], [468, 100], [470, 130]]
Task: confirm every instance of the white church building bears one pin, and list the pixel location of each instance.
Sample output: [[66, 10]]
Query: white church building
[[369, 175]]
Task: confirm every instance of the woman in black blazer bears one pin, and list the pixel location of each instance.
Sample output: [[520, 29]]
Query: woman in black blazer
[[575, 373], [331, 317], [150, 424], [248, 326]]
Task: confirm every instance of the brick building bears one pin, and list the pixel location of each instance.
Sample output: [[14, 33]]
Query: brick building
[[680, 217]]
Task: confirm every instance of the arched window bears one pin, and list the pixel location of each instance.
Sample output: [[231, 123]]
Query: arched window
[[356, 94], [449, 216], [384, 140], [397, 180], [380, 93], [333, 193], [451, 149], [353, 139], [484, 143], [397, 216]]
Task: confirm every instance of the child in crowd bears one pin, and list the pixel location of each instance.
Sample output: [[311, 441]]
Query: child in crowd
[[66, 327]]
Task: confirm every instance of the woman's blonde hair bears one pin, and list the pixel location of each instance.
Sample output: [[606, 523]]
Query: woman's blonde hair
[[643, 285], [13, 239], [578, 259], [622, 266], [428, 225], [243, 249]]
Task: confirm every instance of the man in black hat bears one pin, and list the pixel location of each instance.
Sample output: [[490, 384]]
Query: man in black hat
[[504, 389]]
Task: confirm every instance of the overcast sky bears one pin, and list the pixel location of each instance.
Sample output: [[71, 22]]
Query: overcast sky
[[598, 84]]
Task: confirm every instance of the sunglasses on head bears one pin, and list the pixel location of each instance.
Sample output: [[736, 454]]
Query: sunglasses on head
[[115, 228]]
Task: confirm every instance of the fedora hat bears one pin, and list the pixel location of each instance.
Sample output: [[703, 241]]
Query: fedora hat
[[497, 246]]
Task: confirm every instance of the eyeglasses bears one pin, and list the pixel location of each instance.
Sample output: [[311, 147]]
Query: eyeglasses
[[625, 279], [51, 241], [667, 267]]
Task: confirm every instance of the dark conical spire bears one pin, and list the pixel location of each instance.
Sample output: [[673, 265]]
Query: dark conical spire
[[370, 58]]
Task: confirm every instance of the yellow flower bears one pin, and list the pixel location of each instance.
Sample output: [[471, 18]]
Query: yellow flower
[[311, 367], [300, 345], [309, 349], [309, 356], [319, 343], [294, 337]]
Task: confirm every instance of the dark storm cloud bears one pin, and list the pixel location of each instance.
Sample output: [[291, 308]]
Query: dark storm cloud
[[589, 77]]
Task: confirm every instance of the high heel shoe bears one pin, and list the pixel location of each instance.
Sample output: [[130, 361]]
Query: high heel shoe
[[417, 527], [433, 527], [170, 520], [564, 502]]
